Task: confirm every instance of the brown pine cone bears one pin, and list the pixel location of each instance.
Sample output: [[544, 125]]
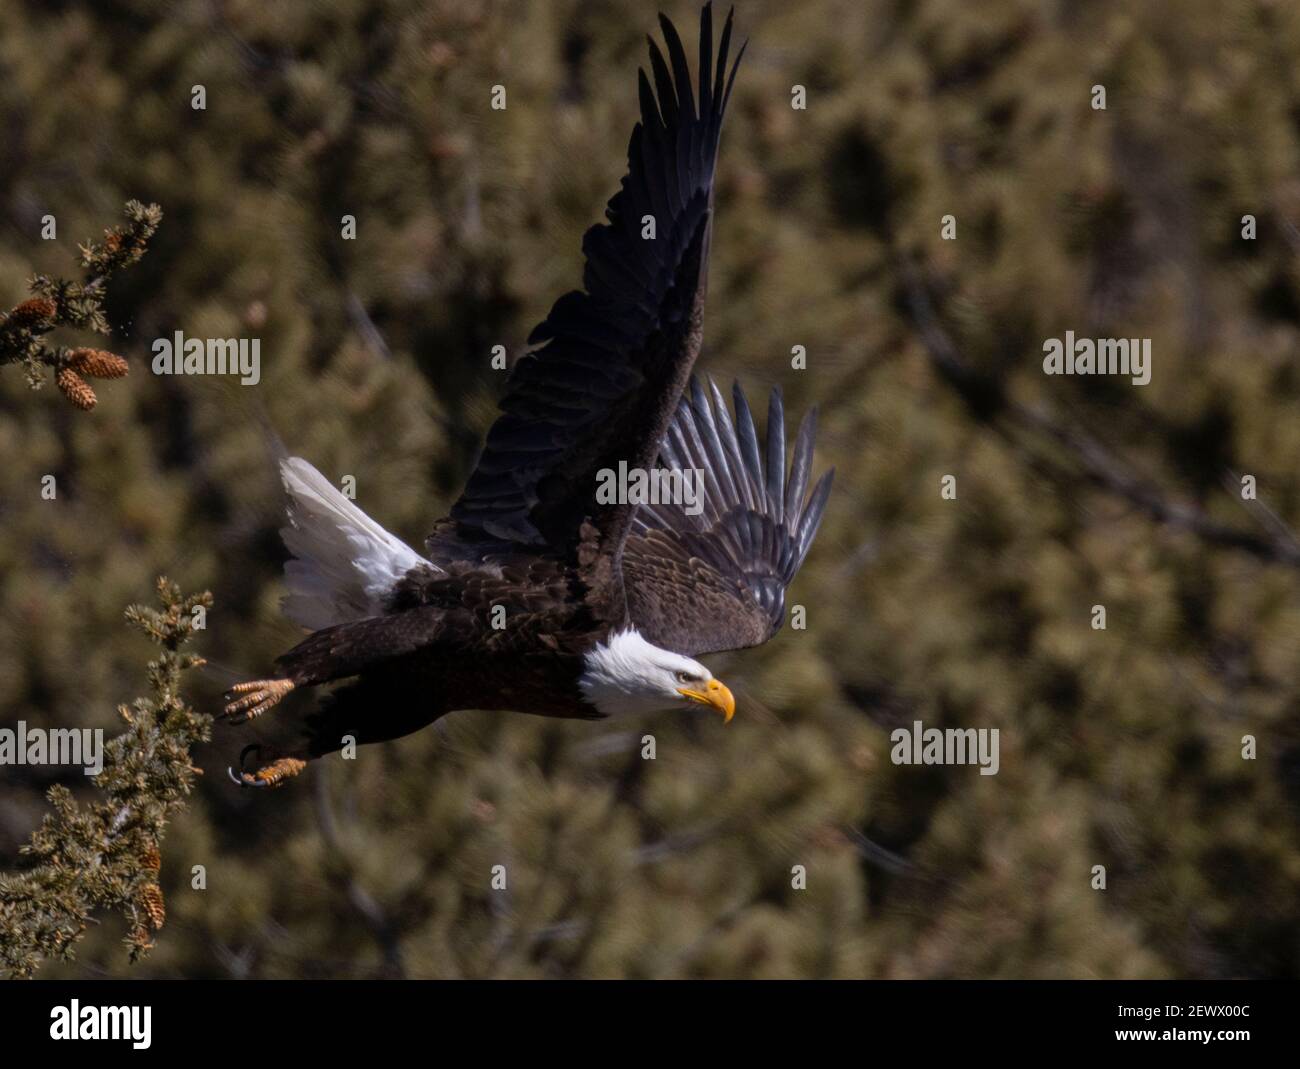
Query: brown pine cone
[[151, 901], [76, 389], [36, 313], [97, 363]]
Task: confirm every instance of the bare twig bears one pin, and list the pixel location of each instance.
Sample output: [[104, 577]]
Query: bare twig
[[1096, 463]]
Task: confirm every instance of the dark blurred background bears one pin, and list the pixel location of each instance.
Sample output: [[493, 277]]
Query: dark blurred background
[[1120, 747]]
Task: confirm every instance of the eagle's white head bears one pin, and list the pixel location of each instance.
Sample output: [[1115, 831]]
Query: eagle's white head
[[627, 674]]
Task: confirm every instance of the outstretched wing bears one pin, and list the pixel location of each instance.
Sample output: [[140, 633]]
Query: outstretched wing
[[617, 356], [717, 580]]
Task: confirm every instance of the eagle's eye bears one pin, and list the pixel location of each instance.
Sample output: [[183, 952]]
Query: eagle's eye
[[685, 677]]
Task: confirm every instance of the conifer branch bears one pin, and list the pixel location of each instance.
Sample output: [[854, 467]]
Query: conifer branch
[[59, 302], [105, 856], [989, 402]]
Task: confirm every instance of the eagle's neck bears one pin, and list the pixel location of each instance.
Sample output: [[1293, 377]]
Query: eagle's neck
[[618, 675]]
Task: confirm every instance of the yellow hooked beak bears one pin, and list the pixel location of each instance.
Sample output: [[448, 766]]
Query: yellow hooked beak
[[715, 694]]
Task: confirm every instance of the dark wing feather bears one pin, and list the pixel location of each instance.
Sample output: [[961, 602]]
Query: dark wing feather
[[616, 357], [717, 580], [352, 647], [450, 610]]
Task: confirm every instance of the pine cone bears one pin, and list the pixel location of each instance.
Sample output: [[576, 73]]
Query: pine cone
[[36, 313], [98, 363], [151, 859], [76, 389], [151, 901]]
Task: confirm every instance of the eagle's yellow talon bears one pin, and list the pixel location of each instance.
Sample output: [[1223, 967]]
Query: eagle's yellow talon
[[259, 695], [272, 774]]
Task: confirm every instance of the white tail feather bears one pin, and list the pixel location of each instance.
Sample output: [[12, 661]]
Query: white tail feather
[[344, 562]]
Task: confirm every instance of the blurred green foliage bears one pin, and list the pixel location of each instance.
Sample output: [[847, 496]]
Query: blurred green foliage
[[1120, 747]]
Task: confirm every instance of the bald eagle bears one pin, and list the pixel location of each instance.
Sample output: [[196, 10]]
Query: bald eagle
[[539, 593]]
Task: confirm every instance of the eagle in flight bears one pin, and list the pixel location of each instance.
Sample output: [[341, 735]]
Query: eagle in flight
[[538, 593]]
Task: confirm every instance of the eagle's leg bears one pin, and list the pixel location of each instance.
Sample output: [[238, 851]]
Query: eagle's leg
[[272, 773], [248, 700]]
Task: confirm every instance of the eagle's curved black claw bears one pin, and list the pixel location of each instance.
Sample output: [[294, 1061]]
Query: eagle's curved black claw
[[244, 779]]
